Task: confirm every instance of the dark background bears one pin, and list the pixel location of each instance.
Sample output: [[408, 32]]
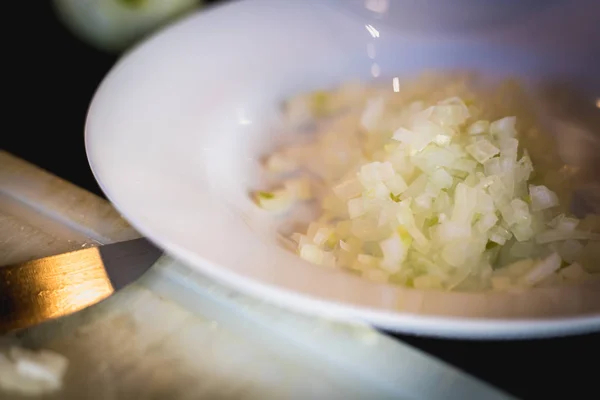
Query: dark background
[[51, 79]]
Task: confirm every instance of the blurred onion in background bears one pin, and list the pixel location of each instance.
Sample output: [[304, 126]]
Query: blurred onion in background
[[114, 25]]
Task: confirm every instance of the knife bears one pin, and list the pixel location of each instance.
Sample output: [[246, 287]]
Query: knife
[[35, 291]]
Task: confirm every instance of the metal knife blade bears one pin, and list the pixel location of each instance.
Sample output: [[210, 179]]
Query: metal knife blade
[[51, 287]]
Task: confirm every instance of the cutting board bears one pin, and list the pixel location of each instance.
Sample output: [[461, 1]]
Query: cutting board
[[175, 334]]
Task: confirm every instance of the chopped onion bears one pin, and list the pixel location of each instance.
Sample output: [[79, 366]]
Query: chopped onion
[[428, 194], [322, 236], [543, 269], [574, 272], [278, 200], [482, 150], [312, 253], [556, 235], [348, 189], [396, 184], [356, 207], [416, 140], [542, 198], [570, 250], [395, 250], [478, 127], [486, 222], [567, 224], [504, 127]]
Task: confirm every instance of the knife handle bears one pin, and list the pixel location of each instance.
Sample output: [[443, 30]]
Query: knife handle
[[35, 291]]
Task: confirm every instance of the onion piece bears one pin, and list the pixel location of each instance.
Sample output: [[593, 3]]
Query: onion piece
[[543, 269], [542, 198]]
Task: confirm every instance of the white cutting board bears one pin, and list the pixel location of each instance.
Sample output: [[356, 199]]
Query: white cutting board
[[177, 335]]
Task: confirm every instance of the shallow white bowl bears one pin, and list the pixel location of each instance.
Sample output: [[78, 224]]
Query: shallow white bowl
[[175, 131]]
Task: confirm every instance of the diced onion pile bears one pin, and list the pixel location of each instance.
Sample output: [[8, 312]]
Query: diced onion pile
[[426, 192]]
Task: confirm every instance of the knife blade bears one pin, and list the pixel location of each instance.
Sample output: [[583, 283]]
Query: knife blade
[[35, 291]]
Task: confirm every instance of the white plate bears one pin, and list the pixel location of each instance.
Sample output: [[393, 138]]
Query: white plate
[[175, 131]]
